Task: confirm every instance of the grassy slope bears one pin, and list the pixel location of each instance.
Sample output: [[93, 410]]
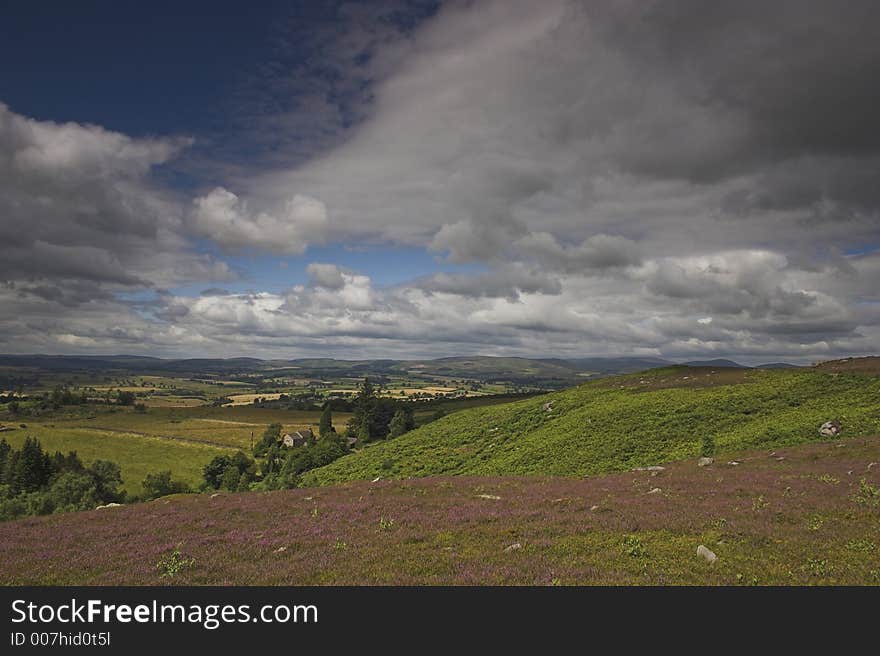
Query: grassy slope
[[788, 516], [615, 424]]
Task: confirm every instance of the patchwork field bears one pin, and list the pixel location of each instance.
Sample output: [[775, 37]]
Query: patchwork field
[[802, 515]]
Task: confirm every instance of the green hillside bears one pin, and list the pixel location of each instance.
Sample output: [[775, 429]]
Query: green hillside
[[624, 422]]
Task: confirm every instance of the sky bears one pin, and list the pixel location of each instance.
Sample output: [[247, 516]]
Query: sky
[[423, 179]]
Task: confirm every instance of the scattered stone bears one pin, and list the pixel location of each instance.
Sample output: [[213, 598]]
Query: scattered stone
[[280, 549], [780, 458], [516, 546], [108, 505], [704, 461], [706, 554], [829, 429], [733, 463], [494, 497], [547, 407], [652, 468], [215, 495], [376, 480], [871, 465], [655, 490], [594, 508], [849, 473]]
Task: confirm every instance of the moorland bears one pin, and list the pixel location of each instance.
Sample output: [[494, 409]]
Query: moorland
[[484, 481]]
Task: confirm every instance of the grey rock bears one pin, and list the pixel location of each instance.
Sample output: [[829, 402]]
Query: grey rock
[[829, 429], [516, 546], [706, 554], [704, 461]]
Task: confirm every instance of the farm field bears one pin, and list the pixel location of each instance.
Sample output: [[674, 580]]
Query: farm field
[[800, 515], [137, 455], [224, 427]]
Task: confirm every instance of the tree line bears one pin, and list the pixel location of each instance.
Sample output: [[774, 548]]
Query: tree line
[[274, 466], [35, 482]]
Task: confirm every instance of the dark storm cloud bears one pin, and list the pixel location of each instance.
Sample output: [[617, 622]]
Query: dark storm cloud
[[802, 73]]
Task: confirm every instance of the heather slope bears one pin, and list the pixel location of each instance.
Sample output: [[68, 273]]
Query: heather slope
[[618, 423], [802, 515]]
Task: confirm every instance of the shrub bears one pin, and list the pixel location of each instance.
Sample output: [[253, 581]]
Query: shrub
[[707, 449], [173, 563], [160, 484], [632, 546], [867, 494]]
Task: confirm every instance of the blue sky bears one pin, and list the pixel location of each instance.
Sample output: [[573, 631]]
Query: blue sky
[[172, 68], [142, 69], [416, 178]]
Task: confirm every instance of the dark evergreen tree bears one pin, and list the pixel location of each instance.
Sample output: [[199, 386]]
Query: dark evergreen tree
[[364, 413], [5, 450], [32, 468], [325, 427]]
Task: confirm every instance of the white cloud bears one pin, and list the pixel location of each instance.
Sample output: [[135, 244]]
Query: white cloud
[[227, 220]]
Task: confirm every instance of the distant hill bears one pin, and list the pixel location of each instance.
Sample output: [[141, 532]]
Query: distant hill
[[623, 365], [715, 363], [777, 365], [545, 373]]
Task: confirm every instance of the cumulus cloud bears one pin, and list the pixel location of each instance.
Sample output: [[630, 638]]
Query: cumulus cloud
[[228, 221], [328, 276], [78, 212]]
